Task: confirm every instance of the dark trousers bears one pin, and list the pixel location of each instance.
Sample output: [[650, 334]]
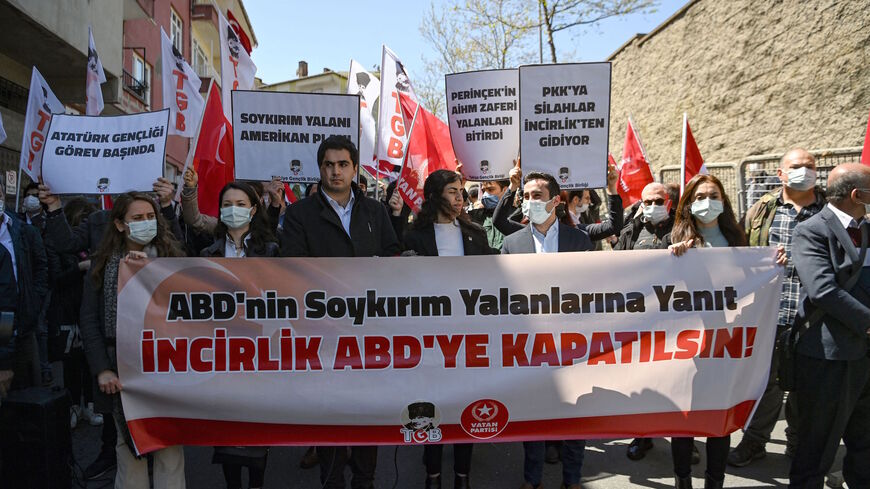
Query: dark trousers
[[833, 404], [77, 377], [572, 452], [233, 476], [363, 460], [769, 406], [432, 454], [26, 371], [717, 456]]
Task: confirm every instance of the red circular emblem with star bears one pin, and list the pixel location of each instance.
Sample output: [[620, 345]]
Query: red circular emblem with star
[[484, 419]]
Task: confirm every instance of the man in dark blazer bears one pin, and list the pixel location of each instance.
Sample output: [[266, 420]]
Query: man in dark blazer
[[338, 220], [833, 354], [546, 234]]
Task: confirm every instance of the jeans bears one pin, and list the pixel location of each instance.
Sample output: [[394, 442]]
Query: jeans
[[572, 461]]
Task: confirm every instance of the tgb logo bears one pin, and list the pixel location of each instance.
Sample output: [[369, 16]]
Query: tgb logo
[[420, 422]]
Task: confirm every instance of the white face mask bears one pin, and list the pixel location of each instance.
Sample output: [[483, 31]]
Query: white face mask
[[143, 232], [580, 209], [31, 204], [536, 210], [801, 178], [235, 217], [707, 210], [655, 213]]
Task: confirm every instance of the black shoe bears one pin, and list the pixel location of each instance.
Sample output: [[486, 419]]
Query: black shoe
[[696, 455], [553, 455], [683, 482], [711, 483], [102, 465], [745, 453], [638, 447], [461, 482], [310, 459], [433, 482]]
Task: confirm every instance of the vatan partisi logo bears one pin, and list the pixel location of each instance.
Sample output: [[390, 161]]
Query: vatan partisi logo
[[420, 422], [564, 174], [484, 419], [484, 166], [102, 185], [296, 167]]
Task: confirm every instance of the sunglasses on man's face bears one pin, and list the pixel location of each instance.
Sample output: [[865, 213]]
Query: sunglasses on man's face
[[656, 202]]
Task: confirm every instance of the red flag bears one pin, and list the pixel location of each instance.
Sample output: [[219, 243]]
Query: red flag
[[634, 171], [289, 196], [865, 153], [213, 160], [237, 27], [691, 156], [429, 149]]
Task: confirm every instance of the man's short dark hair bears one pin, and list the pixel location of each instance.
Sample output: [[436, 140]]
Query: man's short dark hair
[[363, 180], [502, 183], [552, 184], [31, 186], [337, 142], [841, 188]]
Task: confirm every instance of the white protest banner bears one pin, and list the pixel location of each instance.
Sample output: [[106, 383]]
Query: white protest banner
[[180, 90], [483, 114], [565, 117], [361, 82], [451, 349], [41, 103], [237, 68], [276, 134], [106, 154]]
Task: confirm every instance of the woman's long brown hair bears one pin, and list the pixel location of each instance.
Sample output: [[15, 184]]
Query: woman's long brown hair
[[685, 226], [114, 240]]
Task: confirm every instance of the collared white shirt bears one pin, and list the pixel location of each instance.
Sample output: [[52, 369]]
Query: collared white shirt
[[6, 241], [343, 212], [845, 219], [448, 239], [548, 243], [230, 250]]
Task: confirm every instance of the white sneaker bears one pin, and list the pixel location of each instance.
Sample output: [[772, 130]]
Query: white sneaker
[[95, 419], [75, 413]]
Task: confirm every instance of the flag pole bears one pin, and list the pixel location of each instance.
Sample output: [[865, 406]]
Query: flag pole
[[191, 151], [18, 189], [683, 156]]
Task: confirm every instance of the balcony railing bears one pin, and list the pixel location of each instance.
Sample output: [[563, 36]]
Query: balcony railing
[[136, 87]]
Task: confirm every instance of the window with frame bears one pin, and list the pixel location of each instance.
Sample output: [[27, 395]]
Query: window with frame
[[176, 30], [142, 74], [200, 60]]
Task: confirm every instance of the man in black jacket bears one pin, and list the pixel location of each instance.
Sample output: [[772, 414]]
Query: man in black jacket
[[23, 286], [339, 221]]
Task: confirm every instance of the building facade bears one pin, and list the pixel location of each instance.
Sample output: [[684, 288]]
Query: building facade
[[754, 77]]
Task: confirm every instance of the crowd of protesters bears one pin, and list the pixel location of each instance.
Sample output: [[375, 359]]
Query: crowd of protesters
[[59, 277]]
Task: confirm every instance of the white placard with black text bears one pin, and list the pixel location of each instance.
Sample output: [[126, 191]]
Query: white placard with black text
[[276, 134], [565, 122]]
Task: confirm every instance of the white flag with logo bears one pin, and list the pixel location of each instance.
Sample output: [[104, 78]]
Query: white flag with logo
[[41, 103], [96, 76], [392, 133], [237, 69], [361, 82], [180, 90]]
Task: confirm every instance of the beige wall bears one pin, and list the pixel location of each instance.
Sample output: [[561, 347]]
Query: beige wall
[[755, 77]]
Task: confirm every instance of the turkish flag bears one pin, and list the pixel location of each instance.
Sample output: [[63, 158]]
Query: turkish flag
[[237, 27], [213, 160], [429, 149], [693, 159], [634, 170], [865, 153]]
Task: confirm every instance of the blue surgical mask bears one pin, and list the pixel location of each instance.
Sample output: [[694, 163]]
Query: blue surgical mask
[[235, 217], [489, 201], [143, 232]]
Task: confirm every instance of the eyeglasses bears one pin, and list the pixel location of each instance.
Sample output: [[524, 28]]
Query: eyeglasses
[[656, 202]]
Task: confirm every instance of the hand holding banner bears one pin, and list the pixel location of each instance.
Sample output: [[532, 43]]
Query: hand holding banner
[[105, 155], [565, 113], [483, 113]]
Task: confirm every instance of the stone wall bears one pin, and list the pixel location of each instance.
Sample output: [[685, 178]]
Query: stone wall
[[755, 77]]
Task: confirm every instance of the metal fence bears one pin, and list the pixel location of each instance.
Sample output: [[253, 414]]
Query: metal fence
[[749, 179]]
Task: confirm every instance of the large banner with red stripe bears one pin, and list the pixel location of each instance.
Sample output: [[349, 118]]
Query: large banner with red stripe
[[412, 350]]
